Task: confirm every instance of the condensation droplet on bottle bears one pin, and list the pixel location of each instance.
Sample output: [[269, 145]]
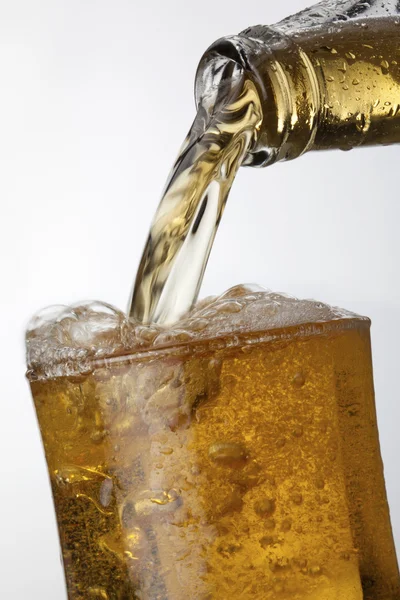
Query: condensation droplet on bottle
[[394, 110], [363, 122], [350, 56], [384, 67]]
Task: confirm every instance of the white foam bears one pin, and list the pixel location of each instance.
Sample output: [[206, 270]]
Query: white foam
[[64, 341]]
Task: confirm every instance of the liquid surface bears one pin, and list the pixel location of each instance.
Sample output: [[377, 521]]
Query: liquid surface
[[224, 470]]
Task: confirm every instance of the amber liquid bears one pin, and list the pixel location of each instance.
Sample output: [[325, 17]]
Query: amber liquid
[[218, 472]]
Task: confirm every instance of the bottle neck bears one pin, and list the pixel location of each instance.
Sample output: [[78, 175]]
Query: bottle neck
[[326, 87], [288, 89]]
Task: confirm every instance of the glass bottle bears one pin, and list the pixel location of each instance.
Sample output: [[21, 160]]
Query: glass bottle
[[328, 77]]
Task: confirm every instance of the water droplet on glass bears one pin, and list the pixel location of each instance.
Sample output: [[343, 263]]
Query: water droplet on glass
[[105, 494], [227, 453]]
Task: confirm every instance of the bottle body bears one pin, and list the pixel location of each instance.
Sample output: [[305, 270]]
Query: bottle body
[[333, 85]]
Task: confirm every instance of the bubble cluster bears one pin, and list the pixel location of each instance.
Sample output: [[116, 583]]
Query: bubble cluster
[[67, 340]]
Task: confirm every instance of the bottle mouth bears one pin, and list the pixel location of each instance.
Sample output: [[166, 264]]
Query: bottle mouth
[[221, 69], [219, 72]]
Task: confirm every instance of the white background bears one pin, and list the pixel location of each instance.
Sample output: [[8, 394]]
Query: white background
[[96, 97]]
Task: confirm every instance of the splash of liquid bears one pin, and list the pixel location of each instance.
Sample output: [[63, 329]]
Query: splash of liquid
[[186, 221]]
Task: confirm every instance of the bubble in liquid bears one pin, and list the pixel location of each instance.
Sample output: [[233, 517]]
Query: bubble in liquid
[[265, 507], [286, 525], [296, 498], [244, 289], [297, 431], [266, 541], [198, 324], [315, 571], [385, 67], [281, 563], [176, 336], [299, 380], [229, 502], [300, 562], [97, 593], [230, 306], [269, 524]]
